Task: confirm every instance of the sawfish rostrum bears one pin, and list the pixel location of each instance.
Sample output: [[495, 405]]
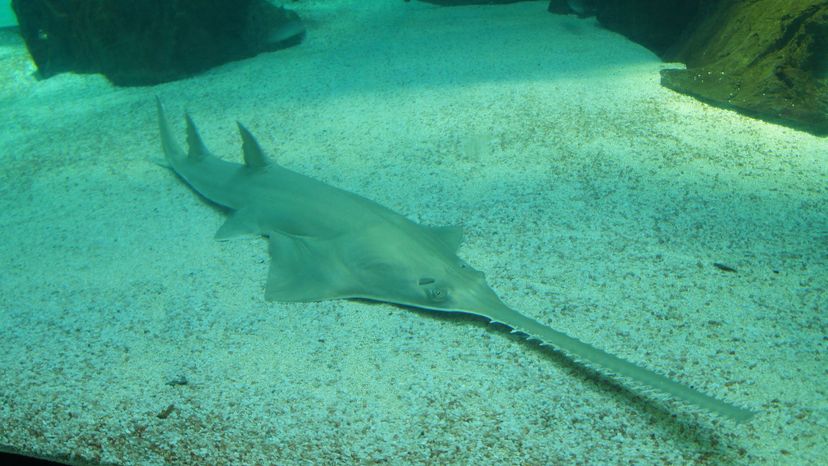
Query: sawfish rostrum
[[327, 243]]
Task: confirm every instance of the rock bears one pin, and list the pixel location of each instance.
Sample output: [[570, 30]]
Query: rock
[[147, 42], [764, 58], [655, 24]]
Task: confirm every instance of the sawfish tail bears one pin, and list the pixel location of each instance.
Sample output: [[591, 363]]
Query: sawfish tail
[[597, 358]]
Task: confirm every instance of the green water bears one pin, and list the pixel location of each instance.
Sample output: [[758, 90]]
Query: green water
[[7, 17]]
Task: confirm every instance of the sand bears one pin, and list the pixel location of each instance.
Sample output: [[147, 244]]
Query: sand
[[595, 200]]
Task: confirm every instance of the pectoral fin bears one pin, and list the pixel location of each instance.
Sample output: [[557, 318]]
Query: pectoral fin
[[241, 223], [305, 269]]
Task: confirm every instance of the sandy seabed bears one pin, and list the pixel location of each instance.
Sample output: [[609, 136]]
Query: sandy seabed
[[595, 200]]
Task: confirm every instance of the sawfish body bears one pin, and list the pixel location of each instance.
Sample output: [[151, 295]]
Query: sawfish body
[[327, 243]]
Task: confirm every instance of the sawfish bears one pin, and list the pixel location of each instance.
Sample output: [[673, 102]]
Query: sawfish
[[328, 243]]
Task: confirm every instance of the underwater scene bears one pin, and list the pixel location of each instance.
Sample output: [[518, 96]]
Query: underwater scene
[[414, 232]]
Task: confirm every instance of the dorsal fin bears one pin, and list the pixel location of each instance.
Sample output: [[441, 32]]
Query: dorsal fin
[[253, 155], [197, 148], [172, 152]]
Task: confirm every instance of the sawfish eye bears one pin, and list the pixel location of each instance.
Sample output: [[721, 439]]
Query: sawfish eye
[[437, 294]]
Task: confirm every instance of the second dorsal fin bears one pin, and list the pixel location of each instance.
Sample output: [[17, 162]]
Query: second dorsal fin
[[253, 155]]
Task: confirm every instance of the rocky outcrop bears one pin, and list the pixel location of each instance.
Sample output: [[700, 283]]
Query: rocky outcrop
[[764, 58], [147, 42]]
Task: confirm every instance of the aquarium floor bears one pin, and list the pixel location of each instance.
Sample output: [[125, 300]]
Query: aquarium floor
[[594, 200]]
